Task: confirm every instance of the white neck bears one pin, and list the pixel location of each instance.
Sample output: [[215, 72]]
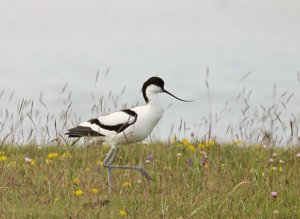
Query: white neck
[[152, 97]]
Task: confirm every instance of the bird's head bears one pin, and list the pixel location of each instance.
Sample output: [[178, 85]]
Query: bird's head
[[156, 85]]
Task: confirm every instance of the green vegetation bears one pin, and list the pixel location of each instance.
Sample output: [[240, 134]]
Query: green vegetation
[[205, 180]]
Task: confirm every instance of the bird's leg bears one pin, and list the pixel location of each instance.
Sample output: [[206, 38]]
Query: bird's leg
[[137, 168], [106, 163], [113, 156], [109, 155]]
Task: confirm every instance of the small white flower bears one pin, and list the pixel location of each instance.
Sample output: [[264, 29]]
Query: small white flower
[[179, 154], [203, 153], [139, 181], [28, 160]]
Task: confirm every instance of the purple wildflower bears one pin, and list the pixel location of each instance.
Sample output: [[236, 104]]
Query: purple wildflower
[[98, 169], [203, 161], [189, 162], [274, 194], [149, 158]]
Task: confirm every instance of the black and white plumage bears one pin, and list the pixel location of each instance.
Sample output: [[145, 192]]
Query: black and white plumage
[[126, 126], [110, 124]]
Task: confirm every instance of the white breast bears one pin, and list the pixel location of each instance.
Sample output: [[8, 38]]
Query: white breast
[[148, 117]]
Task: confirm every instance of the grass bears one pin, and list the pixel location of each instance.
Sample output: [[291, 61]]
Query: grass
[[216, 181], [55, 179]]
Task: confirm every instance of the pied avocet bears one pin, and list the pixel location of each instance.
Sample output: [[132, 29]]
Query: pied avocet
[[126, 126]]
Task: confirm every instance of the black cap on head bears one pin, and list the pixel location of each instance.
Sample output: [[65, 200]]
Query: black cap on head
[[152, 81], [155, 81]]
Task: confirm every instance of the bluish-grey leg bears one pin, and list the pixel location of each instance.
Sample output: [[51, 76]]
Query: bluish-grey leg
[[107, 163], [137, 168]]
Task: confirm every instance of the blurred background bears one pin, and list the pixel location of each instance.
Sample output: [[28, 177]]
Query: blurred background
[[240, 61]]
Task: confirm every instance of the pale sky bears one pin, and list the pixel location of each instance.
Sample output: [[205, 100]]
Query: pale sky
[[144, 37]]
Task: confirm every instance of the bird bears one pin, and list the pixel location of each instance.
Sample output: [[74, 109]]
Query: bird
[[126, 126]]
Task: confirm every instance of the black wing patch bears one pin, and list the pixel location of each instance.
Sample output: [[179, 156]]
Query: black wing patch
[[117, 128], [130, 112], [81, 131], [95, 121]]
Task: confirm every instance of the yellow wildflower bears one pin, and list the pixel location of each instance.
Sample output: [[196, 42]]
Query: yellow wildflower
[[209, 143], [191, 148], [76, 180], [262, 174], [185, 141], [100, 163], [3, 158], [123, 213], [201, 146], [78, 192], [66, 155], [48, 161], [127, 185], [94, 190], [280, 169], [52, 155]]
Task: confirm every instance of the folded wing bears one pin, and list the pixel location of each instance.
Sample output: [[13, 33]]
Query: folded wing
[[110, 124]]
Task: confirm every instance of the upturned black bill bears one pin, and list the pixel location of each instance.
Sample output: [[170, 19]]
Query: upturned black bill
[[177, 97]]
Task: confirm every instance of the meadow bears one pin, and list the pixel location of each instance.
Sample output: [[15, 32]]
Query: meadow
[[195, 174], [190, 180]]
